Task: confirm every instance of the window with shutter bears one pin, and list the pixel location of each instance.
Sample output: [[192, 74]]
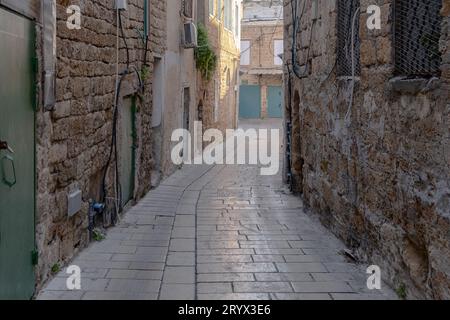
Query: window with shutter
[[188, 8], [228, 14]]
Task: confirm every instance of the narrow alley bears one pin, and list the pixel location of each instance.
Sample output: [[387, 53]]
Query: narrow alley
[[217, 232], [225, 150]]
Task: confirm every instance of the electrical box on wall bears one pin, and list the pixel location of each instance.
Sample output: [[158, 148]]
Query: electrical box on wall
[[74, 202], [121, 4]]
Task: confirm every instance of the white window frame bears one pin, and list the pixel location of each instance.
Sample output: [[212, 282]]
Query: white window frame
[[236, 19], [246, 51], [277, 50]]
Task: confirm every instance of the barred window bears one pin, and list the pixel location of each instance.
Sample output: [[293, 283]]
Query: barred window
[[417, 31], [348, 33]]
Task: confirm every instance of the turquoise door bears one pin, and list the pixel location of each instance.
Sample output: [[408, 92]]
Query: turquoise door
[[274, 102], [17, 167], [250, 102]]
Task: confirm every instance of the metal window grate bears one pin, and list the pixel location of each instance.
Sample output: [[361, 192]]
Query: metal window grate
[[417, 32], [346, 14]]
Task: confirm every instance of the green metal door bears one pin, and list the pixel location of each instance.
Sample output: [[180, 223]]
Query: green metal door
[[17, 168], [250, 102], [127, 138], [274, 102]]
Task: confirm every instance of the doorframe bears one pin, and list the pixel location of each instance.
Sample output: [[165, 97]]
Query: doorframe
[[133, 112], [28, 9]]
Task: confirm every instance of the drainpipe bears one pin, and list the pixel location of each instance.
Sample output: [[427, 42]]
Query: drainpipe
[[48, 10], [134, 148]]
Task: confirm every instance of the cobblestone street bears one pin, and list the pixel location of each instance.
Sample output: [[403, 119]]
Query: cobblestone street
[[217, 232]]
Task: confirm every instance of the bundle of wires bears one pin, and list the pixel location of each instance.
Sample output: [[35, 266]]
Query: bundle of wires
[[113, 152], [296, 19]]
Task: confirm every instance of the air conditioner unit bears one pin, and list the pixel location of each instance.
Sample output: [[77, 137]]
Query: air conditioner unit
[[189, 35]]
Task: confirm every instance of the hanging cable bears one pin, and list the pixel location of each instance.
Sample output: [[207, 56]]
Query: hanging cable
[[124, 39], [352, 84], [296, 68], [113, 151], [289, 130]]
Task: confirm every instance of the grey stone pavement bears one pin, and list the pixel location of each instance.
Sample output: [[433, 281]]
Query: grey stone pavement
[[217, 232]]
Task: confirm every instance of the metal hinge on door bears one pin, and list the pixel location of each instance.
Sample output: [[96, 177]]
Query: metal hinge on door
[[34, 257]]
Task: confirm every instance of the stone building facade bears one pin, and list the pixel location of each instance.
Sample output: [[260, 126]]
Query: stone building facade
[[77, 116], [261, 47], [370, 143], [175, 80], [217, 98], [74, 135]]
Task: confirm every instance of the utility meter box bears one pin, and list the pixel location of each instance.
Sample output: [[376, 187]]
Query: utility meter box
[[74, 202], [121, 4]]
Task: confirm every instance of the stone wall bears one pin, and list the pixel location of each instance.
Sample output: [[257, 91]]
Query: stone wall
[[73, 139], [380, 178], [179, 75], [158, 30]]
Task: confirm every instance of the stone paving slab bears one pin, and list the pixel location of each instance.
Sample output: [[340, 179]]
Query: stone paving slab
[[217, 232]]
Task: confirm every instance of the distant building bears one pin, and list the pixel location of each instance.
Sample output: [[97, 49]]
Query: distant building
[[261, 60], [174, 84]]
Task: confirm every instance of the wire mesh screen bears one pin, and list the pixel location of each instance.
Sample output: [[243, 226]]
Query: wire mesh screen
[[347, 13], [417, 33]]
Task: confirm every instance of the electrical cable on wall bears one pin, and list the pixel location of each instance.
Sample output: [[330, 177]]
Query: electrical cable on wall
[[113, 153], [296, 68], [124, 39], [352, 84], [289, 130]]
